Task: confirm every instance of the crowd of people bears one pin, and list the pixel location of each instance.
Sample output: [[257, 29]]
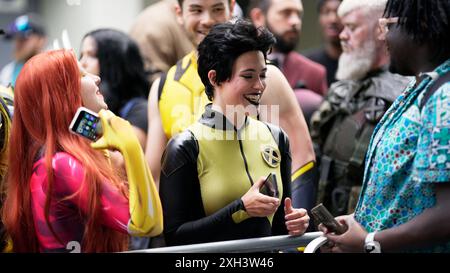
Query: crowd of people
[[214, 128]]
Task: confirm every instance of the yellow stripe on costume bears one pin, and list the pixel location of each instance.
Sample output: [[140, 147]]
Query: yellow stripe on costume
[[302, 170]]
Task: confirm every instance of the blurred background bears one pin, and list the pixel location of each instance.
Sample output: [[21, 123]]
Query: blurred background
[[73, 18]]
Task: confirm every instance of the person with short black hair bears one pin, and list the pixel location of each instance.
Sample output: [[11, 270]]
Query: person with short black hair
[[213, 172], [405, 199], [178, 98]]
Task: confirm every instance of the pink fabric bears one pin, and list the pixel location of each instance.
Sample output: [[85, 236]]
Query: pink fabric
[[68, 208], [308, 101], [299, 68]]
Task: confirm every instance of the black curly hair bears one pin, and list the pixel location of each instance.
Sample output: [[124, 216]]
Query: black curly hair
[[426, 21], [224, 44]]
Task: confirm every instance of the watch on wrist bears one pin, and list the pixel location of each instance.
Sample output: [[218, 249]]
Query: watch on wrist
[[370, 245]]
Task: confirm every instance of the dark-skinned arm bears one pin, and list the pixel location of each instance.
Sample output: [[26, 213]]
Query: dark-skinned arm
[[430, 227]]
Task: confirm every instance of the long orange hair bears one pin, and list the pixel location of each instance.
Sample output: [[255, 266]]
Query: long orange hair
[[47, 96]]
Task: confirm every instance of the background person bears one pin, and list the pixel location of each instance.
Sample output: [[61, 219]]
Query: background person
[[161, 39], [5, 128], [342, 127], [331, 27], [29, 37], [284, 19], [113, 56]]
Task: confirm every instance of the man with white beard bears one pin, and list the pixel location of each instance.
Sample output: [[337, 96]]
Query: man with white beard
[[342, 127]]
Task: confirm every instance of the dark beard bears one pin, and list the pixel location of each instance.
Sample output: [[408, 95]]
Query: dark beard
[[282, 45]]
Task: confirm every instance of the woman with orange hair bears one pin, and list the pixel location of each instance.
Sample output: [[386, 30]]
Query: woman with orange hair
[[62, 190]]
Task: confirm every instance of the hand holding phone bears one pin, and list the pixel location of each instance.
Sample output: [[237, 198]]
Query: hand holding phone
[[87, 124], [322, 215], [270, 187]]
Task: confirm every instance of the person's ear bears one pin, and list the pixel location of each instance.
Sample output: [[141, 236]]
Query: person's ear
[[212, 74], [179, 14], [258, 18]]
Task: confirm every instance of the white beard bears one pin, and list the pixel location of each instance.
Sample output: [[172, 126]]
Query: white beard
[[356, 64]]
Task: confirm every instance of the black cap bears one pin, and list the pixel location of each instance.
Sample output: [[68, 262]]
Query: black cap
[[25, 25]]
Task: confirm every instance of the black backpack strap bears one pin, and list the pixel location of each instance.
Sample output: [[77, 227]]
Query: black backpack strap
[[441, 80]]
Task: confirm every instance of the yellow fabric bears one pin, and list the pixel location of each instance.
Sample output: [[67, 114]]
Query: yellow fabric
[[146, 217], [183, 97], [9, 246], [240, 216], [302, 170], [221, 167], [7, 90], [6, 126]]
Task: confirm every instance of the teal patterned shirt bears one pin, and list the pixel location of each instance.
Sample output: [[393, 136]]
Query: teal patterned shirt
[[409, 153]]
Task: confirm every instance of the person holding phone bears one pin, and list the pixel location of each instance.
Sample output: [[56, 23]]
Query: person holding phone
[[62, 190], [405, 198], [212, 173]]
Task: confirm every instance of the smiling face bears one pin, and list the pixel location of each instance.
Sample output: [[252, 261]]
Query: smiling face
[[90, 93], [198, 16], [246, 84]]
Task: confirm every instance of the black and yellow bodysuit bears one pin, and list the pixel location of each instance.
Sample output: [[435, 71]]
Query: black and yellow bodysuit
[[182, 99], [206, 170], [182, 96]]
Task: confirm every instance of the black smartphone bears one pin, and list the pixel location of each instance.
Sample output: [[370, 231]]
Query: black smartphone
[[87, 124], [322, 215], [270, 187]]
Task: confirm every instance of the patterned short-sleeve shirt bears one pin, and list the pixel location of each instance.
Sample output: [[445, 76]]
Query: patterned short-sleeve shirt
[[409, 153]]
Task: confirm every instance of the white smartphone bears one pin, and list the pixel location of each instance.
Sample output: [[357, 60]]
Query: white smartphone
[[86, 123]]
